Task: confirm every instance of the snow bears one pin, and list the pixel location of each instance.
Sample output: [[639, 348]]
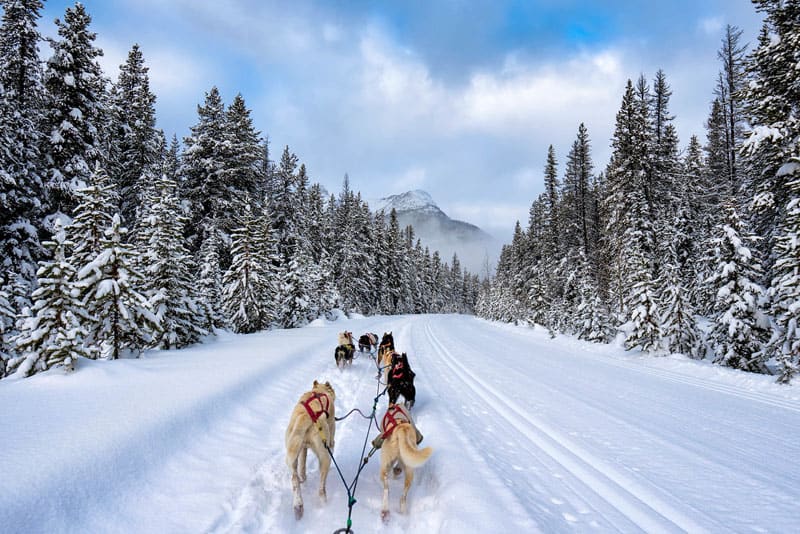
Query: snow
[[530, 434], [408, 201]]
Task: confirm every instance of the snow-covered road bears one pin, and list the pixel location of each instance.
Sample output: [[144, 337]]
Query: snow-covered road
[[530, 434]]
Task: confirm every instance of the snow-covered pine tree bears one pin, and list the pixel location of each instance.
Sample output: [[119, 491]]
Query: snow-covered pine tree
[[76, 89], [243, 160], [591, 320], [209, 284], [244, 282], [772, 108], [54, 334], [785, 288], [203, 161], [739, 325], [109, 285], [282, 205], [630, 235], [7, 317], [167, 266], [135, 139], [21, 116], [97, 203]]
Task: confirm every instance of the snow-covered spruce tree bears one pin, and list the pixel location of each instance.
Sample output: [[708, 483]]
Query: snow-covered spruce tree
[[243, 284], [21, 116], [209, 284], [7, 317], [679, 327], [630, 233], [76, 90], [135, 138], [109, 285], [244, 154], [54, 334], [97, 203], [739, 325], [785, 288], [772, 108], [282, 205], [167, 266], [202, 163]]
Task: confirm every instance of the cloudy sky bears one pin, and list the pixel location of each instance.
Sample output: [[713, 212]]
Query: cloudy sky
[[460, 98]]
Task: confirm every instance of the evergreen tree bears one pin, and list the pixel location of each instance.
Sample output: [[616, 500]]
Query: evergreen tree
[[739, 325], [203, 162], [135, 137], [123, 323], [785, 289], [76, 88], [209, 284], [54, 334], [168, 267], [96, 205], [729, 93], [772, 108], [21, 185], [7, 317], [245, 280]]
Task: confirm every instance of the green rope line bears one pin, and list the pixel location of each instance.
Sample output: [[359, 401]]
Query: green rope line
[[351, 488]]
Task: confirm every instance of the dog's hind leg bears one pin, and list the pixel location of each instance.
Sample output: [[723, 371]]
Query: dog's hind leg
[[292, 455], [324, 466], [385, 479], [301, 464], [406, 486]]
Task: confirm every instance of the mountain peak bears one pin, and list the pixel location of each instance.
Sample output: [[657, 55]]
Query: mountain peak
[[416, 200], [438, 231]]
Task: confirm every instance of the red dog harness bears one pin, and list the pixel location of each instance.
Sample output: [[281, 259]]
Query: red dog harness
[[393, 417], [397, 369], [324, 404]]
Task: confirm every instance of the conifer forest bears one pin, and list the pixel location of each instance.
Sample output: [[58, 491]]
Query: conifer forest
[[116, 237]]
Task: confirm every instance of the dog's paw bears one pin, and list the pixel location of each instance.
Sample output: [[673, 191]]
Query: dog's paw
[[323, 496], [385, 516], [298, 512]]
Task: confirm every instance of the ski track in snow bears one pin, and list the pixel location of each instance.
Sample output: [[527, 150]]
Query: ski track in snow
[[635, 502], [530, 434]]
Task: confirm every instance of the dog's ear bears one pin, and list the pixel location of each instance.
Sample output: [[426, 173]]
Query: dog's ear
[[316, 383], [328, 384]]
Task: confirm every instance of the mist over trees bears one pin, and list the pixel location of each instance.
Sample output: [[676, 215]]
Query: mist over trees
[[114, 240], [665, 238]]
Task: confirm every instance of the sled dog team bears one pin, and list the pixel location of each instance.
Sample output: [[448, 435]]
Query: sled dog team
[[312, 424]]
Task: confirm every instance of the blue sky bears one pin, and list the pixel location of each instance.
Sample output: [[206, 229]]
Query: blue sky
[[460, 98]]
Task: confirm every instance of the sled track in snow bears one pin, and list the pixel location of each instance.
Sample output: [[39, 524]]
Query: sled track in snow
[[639, 504]]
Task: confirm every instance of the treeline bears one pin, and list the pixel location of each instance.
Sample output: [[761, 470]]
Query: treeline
[[114, 240], [664, 238]]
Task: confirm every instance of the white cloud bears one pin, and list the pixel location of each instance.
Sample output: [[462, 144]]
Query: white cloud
[[711, 25]]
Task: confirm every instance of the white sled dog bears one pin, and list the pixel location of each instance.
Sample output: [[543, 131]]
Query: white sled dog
[[312, 425], [400, 447]]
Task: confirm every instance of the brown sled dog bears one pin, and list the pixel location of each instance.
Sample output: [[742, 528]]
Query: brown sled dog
[[399, 447], [311, 425]]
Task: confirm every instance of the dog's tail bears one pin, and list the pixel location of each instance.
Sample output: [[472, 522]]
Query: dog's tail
[[407, 441]]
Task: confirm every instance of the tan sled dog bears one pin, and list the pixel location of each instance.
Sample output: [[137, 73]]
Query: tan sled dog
[[312, 425], [400, 447]]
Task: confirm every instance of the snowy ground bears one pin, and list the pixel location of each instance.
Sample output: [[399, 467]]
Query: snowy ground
[[530, 434]]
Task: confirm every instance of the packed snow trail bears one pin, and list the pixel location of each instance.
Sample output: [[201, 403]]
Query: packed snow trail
[[529, 434]]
